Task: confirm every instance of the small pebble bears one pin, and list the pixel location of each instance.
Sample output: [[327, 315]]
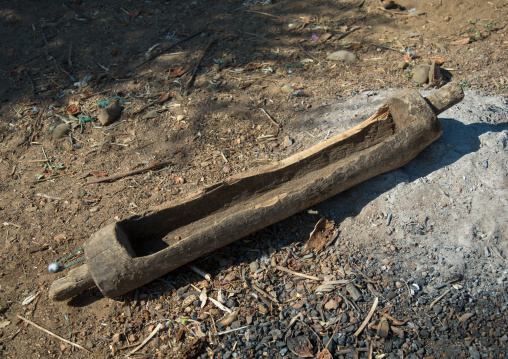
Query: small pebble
[[402, 65], [421, 74], [342, 55], [61, 130]]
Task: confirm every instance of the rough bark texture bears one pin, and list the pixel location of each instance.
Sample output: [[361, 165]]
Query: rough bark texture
[[141, 248]]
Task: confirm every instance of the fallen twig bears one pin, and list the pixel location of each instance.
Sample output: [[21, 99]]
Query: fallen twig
[[298, 274], [220, 305], [193, 76], [53, 334], [338, 37], [261, 13], [80, 13], [270, 117], [261, 291], [47, 196], [201, 272], [166, 49], [315, 58], [151, 166], [31, 82], [11, 224], [157, 328], [367, 319], [388, 47], [439, 298], [232, 330]]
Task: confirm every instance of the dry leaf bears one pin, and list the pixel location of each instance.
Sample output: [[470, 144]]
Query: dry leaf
[[73, 109], [324, 354], [323, 234], [230, 318], [324, 37], [463, 41], [383, 328], [193, 349], [252, 66], [163, 98], [180, 334], [440, 60], [98, 173], [300, 346], [60, 237], [203, 297], [178, 71], [464, 317], [134, 13], [407, 57]]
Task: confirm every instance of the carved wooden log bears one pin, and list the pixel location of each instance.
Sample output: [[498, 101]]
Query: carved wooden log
[[134, 251]]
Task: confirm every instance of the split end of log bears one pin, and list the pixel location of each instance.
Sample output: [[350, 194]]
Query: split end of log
[[446, 97], [75, 282]]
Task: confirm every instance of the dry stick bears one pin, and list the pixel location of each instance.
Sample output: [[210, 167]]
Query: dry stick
[[367, 319], [298, 274], [260, 13], [151, 166], [371, 348], [31, 82], [193, 76], [261, 291], [47, 196], [439, 298], [270, 117], [160, 325], [347, 33], [220, 305], [53, 334], [77, 11], [201, 272], [315, 58], [166, 49]]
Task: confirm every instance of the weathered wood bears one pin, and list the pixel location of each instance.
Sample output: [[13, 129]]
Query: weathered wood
[[141, 248], [77, 281]]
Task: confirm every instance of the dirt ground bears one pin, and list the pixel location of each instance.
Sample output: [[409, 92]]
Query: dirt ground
[[263, 89]]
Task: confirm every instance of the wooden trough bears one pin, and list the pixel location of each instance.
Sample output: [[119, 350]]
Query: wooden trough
[[132, 252]]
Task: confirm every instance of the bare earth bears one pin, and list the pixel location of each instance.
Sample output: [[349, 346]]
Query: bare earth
[[442, 215]]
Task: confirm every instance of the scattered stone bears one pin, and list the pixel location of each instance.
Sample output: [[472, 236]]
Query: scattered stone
[[353, 291], [331, 304], [230, 277], [117, 337], [262, 309], [342, 55], [287, 88], [421, 74], [402, 65], [475, 354], [180, 118], [288, 141], [417, 13], [110, 113], [437, 308], [151, 114], [254, 266], [61, 130]]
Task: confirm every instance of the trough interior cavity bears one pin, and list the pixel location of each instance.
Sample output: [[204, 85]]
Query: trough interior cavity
[[156, 230]]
